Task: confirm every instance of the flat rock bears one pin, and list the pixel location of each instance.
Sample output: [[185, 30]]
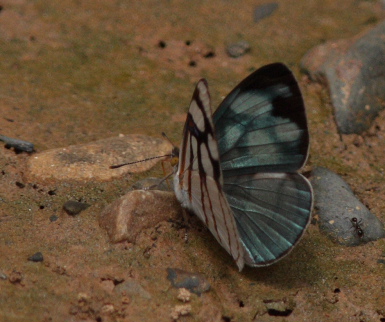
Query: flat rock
[[126, 217], [337, 208], [353, 70], [84, 162]]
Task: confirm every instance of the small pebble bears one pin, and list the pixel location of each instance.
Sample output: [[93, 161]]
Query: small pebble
[[107, 309], [238, 49], [180, 310], [74, 208], [264, 11], [37, 257], [194, 282], [53, 218], [20, 184], [283, 307], [3, 276], [15, 277], [184, 295]]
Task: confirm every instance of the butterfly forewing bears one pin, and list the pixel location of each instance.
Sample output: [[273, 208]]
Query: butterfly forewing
[[198, 179], [263, 140], [261, 125]]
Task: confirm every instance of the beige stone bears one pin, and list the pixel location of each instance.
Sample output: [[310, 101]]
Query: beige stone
[[125, 218], [92, 161]]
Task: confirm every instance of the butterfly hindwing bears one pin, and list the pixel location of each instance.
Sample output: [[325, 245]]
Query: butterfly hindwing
[[198, 180], [272, 211], [263, 140]]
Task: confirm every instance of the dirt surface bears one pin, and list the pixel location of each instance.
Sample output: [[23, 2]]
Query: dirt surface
[[78, 71]]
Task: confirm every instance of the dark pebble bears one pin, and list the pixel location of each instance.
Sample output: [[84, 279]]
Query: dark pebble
[[194, 282], [53, 218], [37, 257], [18, 145], [20, 185], [74, 208], [381, 261], [264, 10]]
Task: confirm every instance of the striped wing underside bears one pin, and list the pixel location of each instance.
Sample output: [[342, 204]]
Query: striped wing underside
[[198, 180], [263, 140]]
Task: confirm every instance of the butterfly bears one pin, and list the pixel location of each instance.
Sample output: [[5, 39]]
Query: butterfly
[[237, 169]]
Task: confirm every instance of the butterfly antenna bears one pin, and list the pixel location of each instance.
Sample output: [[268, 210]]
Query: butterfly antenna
[[166, 137], [139, 161]]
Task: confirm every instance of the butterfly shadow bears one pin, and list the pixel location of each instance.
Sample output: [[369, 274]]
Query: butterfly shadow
[[300, 267]]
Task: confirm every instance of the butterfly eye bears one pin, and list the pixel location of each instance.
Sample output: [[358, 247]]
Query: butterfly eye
[[174, 161]]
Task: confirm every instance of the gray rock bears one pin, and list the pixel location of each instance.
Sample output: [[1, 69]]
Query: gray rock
[[18, 145], [341, 215], [194, 282], [132, 288], [354, 70], [126, 217]]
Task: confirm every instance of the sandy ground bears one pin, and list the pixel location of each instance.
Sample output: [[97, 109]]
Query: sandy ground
[[78, 71]]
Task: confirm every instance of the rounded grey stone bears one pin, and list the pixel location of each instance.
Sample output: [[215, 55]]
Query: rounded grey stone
[[341, 215]]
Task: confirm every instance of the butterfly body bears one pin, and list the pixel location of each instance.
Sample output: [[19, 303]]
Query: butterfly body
[[237, 169]]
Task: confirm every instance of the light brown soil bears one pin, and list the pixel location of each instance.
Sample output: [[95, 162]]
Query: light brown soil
[[77, 71]]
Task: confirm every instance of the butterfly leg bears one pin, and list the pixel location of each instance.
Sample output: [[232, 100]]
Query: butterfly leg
[[185, 224], [157, 185]]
